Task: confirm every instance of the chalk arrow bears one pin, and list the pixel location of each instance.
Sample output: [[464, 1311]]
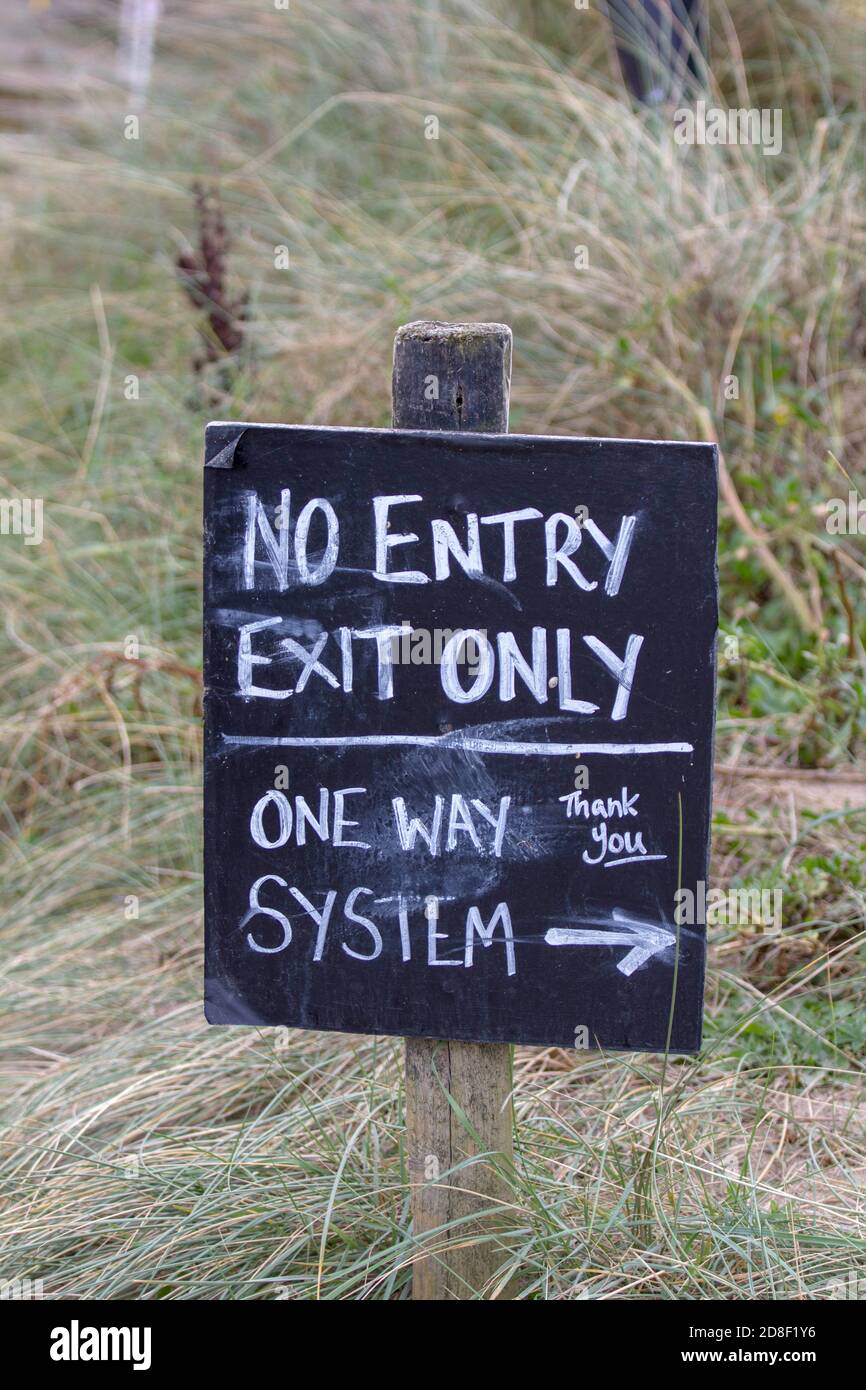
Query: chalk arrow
[[646, 939]]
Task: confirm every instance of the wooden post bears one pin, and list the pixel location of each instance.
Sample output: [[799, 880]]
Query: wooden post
[[455, 376]]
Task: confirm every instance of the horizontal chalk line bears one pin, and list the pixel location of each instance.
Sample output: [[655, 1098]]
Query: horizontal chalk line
[[633, 859], [460, 743]]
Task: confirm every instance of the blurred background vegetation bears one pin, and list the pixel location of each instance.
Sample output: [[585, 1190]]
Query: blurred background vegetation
[[144, 1155]]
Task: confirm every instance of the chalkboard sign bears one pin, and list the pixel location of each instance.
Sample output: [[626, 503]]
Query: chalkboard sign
[[459, 698]]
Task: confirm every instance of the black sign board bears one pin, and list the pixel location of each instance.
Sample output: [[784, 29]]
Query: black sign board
[[459, 698]]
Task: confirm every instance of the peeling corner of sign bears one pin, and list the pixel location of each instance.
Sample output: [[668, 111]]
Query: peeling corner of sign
[[226, 456]]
